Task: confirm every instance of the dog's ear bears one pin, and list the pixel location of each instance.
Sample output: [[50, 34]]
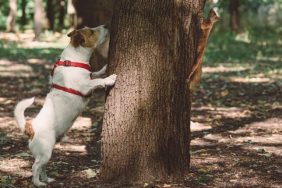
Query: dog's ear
[[76, 38]]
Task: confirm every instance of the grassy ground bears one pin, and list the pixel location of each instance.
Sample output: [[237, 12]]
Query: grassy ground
[[236, 115]]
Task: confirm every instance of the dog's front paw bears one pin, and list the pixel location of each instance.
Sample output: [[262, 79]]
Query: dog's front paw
[[110, 80]]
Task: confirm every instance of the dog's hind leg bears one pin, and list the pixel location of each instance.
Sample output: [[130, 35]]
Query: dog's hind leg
[[41, 150], [37, 170]]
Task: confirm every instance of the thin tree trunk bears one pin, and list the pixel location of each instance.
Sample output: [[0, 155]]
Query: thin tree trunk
[[234, 15], [146, 134], [11, 19], [61, 14], [51, 14], [23, 8], [72, 14], [39, 18]]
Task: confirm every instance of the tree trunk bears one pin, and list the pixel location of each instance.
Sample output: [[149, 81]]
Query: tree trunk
[[11, 19], [51, 14], [61, 14], [146, 134], [72, 14], [23, 8], [234, 15], [39, 18], [92, 13]]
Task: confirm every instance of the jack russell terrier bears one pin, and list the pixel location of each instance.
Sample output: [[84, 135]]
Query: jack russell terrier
[[71, 87]]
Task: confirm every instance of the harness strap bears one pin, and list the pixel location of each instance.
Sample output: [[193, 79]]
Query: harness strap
[[70, 90], [68, 63]]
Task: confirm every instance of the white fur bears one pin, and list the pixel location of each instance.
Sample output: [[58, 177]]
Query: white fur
[[61, 108]]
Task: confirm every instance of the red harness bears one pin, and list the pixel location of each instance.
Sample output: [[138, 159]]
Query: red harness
[[70, 64]]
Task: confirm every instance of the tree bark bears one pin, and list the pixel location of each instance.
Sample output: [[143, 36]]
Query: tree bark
[[146, 126], [11, 19], [234, 15], [39, 18]]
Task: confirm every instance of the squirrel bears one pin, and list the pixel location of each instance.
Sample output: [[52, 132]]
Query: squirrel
[[205, 26]]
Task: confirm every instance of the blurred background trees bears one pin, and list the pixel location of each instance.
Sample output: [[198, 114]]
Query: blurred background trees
[[57, 15]]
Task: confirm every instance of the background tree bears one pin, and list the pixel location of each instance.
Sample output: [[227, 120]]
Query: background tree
[[72, 14], [62, 11], [51, 13], [11, 19], [146, 131], [23, 9], [39, 16], [234, 15]]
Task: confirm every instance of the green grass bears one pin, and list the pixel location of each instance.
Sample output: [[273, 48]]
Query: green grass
[[258, 50]]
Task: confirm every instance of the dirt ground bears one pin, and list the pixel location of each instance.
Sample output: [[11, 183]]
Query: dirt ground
[[236, 132]]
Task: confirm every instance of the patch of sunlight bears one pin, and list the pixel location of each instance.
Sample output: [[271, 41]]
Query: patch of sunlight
[[207, 160], [250, 80], [16, 166], [263, 134], [226, 112], [218, 138], [71, 148], [243, 37], [195, 126], [15, 70], [82, 123], [260, 57], [4, 62], [40, 44], [201, 142], [5, 100], [36, 61], [222, 68]]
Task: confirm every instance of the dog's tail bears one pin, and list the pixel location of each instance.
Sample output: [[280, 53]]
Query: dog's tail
[[19, 112]]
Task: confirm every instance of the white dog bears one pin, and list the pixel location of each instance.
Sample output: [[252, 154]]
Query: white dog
[[71, 86]]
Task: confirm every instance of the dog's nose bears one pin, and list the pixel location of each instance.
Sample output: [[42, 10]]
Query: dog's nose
[[107, 26]]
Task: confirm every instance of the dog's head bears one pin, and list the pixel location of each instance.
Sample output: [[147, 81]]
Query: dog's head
[[89, 37]]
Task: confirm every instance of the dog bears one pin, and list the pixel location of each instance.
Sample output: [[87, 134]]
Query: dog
[[71, 88]]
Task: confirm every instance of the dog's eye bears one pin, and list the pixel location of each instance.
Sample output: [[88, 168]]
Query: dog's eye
[[92, 32]]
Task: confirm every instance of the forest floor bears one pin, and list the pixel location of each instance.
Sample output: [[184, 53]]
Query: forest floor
[[236, 120]]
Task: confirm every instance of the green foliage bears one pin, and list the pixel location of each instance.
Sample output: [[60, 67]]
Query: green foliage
[[4, 11]]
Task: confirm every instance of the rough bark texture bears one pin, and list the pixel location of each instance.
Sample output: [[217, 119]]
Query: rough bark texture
[[11, 19], [146, 134]]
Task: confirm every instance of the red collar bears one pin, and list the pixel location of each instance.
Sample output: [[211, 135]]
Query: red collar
[[70, 64]]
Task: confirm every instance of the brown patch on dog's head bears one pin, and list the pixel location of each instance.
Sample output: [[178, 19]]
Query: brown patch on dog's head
[[85, 37], [29, 130]]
